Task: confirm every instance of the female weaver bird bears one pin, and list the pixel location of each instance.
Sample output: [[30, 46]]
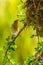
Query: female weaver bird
[[14, 29]]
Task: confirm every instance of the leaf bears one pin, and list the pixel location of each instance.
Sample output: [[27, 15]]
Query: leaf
[[37, 63], [13, 43], [36, 49], [32, 36], [40, 44], [7, 39], [11, 48]]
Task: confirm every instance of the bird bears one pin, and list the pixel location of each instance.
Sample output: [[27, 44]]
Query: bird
[[14, 28]]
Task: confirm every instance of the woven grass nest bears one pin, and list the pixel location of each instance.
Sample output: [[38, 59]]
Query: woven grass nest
[[34, 12]]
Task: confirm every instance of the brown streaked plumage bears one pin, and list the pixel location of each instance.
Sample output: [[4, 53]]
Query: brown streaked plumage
[[14, 28], [15, 25]]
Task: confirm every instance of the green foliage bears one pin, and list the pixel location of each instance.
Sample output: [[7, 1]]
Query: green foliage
[[32, 36], [10, 47], [40, 46], [7, 39], [41, 33], [31, 60], [36, 63], [21, 14], [15, 64], [11, 43]]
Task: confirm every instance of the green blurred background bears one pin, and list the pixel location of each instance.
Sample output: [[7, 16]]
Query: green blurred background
[[25, 45]]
